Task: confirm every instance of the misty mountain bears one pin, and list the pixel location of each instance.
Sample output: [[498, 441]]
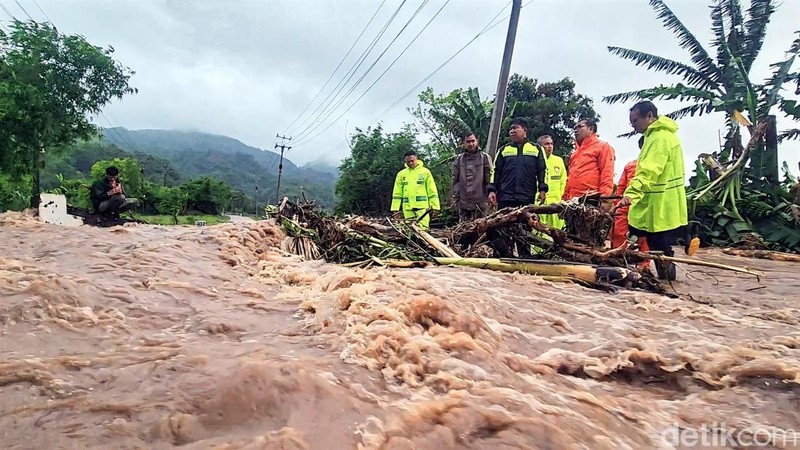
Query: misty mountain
[[245, 168]]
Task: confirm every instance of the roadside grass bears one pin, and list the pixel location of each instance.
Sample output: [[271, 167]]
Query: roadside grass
[[182, 220]]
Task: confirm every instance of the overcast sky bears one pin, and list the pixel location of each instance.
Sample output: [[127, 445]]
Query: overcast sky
[[247, 68]]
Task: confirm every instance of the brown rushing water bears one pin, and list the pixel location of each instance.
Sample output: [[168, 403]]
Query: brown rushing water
[[155, 337]]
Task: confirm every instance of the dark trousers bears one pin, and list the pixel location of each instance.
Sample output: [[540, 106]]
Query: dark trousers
[[661, 241]]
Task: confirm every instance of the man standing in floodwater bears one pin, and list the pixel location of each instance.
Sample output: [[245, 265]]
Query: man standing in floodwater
[[415, 192], [556, 180], [657, 194], [107, 195], [472, 171]]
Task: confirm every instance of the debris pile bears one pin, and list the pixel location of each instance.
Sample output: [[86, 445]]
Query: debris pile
[[575, 254], [492, 242]]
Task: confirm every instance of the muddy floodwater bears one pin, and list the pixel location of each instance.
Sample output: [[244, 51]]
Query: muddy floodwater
[[150, 337]]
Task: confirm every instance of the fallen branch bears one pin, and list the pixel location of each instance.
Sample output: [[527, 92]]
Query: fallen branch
[[583, 272], [435, 243], [698, 262], [762, 254]]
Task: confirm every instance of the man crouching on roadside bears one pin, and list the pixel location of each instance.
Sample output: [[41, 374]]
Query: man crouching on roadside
[[107, 195]]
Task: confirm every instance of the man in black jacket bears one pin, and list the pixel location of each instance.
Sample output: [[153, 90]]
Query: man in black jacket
[[107, 195], [519, 170]]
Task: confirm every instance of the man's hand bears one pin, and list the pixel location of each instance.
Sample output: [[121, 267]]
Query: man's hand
[[433, 213], [625, 201], [542, 197], [492, 198]]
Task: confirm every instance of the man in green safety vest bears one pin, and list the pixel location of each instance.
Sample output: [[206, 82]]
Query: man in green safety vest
[[657, 193], [415, 192], [556, 180]]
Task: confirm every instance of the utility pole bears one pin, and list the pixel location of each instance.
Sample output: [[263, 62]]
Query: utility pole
[[255, 198], [280, 165], [502, 83]]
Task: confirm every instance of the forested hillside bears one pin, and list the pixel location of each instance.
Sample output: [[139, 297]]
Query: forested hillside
[[194, 154]]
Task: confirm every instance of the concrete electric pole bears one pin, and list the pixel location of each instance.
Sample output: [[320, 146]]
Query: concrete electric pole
[[502, 84], [280, 164]]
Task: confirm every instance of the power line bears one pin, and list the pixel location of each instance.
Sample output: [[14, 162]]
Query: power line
[[379, 77], [23, 9], [339, 86], [42, 11], [2, 5], [338, 66], [491, 24], [332, 110], [485, 29]]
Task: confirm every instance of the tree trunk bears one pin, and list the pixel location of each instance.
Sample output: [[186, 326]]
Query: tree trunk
[[769, 157], [36, 197]]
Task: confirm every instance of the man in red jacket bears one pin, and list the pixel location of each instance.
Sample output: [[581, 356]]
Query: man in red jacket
[[620, 231], [591, 165]]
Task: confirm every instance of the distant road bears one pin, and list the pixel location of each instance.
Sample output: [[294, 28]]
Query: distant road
[[239, 219]]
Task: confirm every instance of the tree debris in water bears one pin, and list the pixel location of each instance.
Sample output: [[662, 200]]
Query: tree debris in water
[[493, 242]]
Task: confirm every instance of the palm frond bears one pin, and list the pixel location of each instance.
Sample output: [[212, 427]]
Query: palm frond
[[789, 134], [791, 108], [675, 92], [661, 64], [719, 42], [759, 15], [623, 97], [698, 108], [627, 135], [732, 9], [773, 86], [687, 40]]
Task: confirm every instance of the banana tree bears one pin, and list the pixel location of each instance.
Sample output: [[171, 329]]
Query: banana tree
[[722, 84]]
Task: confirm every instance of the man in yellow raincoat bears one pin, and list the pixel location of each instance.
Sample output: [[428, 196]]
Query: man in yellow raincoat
[[556, 179], [415, 191], [656, 193]]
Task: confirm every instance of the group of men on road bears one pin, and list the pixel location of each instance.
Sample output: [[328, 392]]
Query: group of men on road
[[650, 205]]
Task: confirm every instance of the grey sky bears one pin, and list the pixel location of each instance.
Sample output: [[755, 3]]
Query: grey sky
[[246, 69]]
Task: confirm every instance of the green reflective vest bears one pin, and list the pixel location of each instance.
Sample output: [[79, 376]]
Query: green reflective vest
[[556, 178], [414, 189], [657, 191]]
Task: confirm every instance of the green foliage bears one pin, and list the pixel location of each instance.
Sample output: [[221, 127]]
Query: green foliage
[[49, 84], [368, 174], [14, 193], [724, 84], [242, 167], [550, 108], [159, 219], [130, 174], [171, 201], [207, 195], [76, 190]]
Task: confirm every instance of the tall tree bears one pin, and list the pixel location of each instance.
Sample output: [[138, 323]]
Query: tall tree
[[368, 174], [550, 108], [50, 83], [722, 83]]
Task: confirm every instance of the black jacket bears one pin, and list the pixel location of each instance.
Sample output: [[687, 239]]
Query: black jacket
[[99, 192], [519, 173]]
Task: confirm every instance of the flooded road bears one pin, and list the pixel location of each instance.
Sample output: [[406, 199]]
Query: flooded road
[[146, 337]]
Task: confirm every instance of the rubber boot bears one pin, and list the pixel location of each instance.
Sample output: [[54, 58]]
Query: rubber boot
[[692, 238]]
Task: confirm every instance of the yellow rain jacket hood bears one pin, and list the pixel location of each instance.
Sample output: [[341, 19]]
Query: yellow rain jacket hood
[[657, 191], [414, 189]]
